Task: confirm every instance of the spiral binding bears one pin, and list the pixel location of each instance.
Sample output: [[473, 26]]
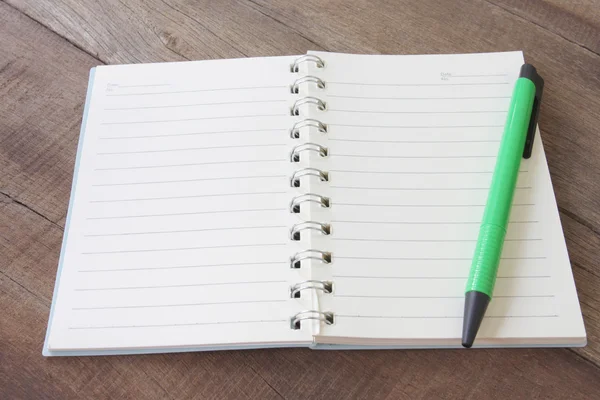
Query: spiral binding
[[311, 254], [295, 132], [295, 179], [326, 316], [319, 63], [320, 150], [324, 286], [325, 258], [321, 105], [295, 88], [323, 201]]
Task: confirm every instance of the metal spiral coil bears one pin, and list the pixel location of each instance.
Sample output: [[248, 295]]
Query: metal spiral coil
[[325, 316], [319, 149], [324, 286], [321, 105], [319, 63], [325, 229], [324, 202], [322, 256], [295, 132], [295, 88], [295, 179]]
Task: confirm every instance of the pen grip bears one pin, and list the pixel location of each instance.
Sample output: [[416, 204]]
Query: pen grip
[[486, 259]]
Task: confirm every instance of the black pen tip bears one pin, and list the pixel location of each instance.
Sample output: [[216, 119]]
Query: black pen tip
[[476, 304]]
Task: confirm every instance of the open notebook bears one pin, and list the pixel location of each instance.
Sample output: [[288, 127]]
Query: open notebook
[[325, 200]]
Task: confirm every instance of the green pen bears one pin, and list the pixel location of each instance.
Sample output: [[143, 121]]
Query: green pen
[[517, 142]]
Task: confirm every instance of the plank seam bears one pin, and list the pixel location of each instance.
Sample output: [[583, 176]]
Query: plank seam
[[580, 220], [263, 379], [542, 27], [39, 214], [257, 8], [72, 43], [45, 302], [584, 358]]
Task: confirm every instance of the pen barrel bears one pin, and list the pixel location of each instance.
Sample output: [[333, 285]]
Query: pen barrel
[[497, 210]]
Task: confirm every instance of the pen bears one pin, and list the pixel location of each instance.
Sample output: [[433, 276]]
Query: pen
[[517, 142]]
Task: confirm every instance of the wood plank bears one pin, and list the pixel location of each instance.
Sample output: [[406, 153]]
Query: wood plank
[[40, 115], [425, 374], [577, 21], [156, 30], [584, 251]]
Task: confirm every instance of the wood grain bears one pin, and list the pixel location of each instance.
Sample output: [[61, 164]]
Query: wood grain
[[43, 77], [576, 21], [40, 115]]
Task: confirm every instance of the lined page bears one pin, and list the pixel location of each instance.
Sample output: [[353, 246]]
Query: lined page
[[413, 142], [178, 227]]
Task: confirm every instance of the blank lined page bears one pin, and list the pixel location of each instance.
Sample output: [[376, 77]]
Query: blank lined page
[[412, 143], [178, 227]]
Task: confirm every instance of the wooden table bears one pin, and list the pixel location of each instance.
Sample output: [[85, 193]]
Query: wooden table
[[46, 50]]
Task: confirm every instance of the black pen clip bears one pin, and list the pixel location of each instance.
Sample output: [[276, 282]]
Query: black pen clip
[[528, 71]]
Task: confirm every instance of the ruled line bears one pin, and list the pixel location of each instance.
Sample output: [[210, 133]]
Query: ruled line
[[418, 127], [184, 231], [182, 267], [475, 76], [418, 84], [185, 197], [188, 134], [416, 189], [413, 141], [154, 250], [190, 149], [439, 297], [417, 172], [418, 112], [177, 325], [416, 98], [426, 205], [435, 277], [177, 305], [195, 91], [426, 222], [426, 240], [187, 213], [142, 85], [432, 259], [193, 119], [191, 180], [411, 157], [195, 104], [176, 286], [186, 165], [443, 317]]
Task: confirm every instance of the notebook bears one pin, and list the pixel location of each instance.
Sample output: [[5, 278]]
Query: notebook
[[324, 200]]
